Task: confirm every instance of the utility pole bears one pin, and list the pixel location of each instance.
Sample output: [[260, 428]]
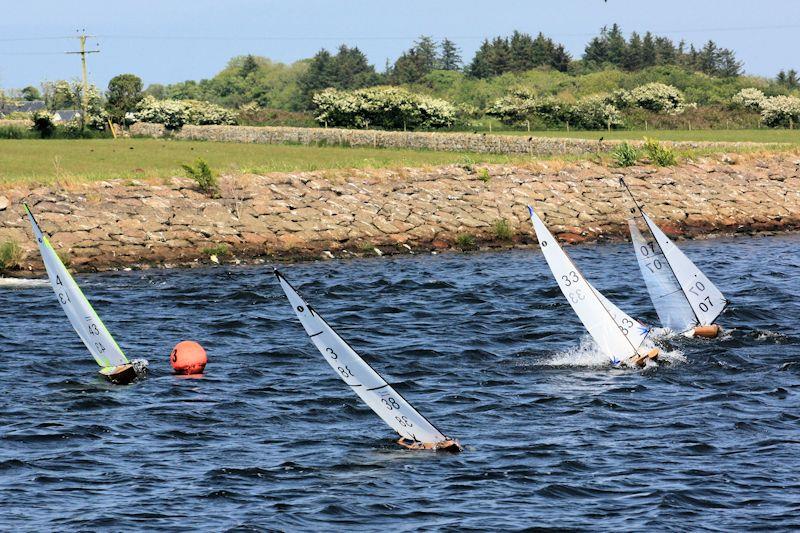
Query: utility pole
[[85, 93]]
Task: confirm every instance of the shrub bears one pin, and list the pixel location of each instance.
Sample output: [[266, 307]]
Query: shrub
[[483, 175], [201, 173], [465, 241], [625, 155], [659, 97], [43, 123], [173, 114], [781, 111], [750, 98], [502, 230], [219, 250], [522, 104], [10, 255], [659, 155], [594, 112], [12, 132], [382, 107]]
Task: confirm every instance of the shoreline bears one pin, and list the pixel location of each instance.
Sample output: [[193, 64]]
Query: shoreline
[[113, 225]]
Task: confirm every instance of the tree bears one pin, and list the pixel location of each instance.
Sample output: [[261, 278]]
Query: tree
[[596, 50], [450, 57], [615, 46], [479, 67], [348, 69], [318, 76], [792, 81], [124, 92], [30, 93], [633, 54], [648, 51], [416, 62], [249, 65]]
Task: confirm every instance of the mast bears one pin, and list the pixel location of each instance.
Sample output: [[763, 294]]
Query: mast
[[666, 259]]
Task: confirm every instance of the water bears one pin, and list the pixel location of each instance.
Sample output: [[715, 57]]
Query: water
[[482, 344]]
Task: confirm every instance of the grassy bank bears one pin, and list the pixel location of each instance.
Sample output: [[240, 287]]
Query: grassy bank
[[44, 161], [758, 136]]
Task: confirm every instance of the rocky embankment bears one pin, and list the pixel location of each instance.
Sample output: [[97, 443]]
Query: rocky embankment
[[114, 224]]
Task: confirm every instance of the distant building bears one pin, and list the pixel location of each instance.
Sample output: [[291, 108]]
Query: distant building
[[65, 115], [19, 106]]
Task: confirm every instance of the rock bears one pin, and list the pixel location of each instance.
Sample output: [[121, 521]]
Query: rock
[[326, 254], [4, 203]]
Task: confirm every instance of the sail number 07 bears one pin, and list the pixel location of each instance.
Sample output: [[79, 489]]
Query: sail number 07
[[706, 303]]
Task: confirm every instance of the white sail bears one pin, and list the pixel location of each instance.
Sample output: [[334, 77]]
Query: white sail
[[616, 333], [671, 304], [81, 315], [706, 300], [362, 378]]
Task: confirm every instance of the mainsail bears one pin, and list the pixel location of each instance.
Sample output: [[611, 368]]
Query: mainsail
[[705, 300], [665, 291], [81, 315], [359, 375], [616, 333]]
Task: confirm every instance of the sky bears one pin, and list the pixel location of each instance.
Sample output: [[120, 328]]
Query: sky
[[165, 41]]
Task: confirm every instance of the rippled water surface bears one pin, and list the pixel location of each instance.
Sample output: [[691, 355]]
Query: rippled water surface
[[483, 344]]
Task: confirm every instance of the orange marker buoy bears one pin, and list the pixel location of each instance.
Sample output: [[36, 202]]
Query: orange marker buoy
[[188, 357]]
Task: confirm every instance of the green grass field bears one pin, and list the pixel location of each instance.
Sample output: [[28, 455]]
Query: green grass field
[[759, 136], [43, 161]]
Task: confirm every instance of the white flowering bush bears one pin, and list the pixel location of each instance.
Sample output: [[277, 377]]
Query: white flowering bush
[[384, 107], [750, 98], [659, 97], [621, 99], [595, 112], [781, 111], [522, 104], [173, 114]]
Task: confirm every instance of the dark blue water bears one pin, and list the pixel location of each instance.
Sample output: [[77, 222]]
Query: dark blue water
[[483, 344]]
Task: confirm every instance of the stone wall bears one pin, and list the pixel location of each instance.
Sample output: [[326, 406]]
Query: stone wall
[[438, 141], [105, 225]]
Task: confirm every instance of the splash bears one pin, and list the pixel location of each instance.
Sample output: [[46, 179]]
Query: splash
[[589, 355], [21, 283]]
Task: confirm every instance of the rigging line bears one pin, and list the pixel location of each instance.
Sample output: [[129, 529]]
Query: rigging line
[[666, 259]]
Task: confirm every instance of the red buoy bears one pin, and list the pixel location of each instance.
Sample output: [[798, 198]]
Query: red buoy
[[188, 357]]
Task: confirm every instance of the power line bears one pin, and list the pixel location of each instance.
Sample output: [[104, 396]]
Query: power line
[[381, 37]]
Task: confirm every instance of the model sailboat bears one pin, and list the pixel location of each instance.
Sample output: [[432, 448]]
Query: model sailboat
[[114, 365], [684, 298], [415, 430], [620, 337]]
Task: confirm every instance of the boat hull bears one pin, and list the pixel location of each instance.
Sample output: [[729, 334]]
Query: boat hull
[[707, 332], [120, 375]]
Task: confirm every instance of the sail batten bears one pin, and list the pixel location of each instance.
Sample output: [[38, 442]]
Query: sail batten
[[365, 381], [79, 311], [617, 334]]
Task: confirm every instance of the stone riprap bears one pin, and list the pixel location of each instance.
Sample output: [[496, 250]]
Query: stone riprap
[[102, 225], [436, 141]]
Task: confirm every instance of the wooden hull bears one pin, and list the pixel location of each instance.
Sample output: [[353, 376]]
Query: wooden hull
[[641, 360], [120, 375], [707, 332]]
